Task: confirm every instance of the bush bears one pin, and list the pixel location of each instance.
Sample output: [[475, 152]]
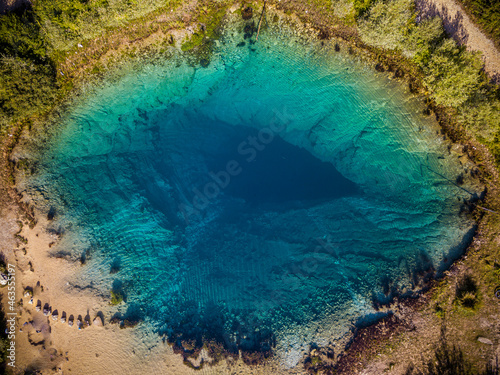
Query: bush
[[487, 14], [116, 297], [20, 37], [27, 75], [69, 22], [387, 23], [452, 74]]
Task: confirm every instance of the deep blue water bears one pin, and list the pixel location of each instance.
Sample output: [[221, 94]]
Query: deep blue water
[[276, 172], [266, 200]]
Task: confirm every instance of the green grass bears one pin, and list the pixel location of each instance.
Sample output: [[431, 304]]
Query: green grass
[[68, 22]]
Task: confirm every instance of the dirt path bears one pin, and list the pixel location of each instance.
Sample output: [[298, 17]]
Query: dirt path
[[458, 24]]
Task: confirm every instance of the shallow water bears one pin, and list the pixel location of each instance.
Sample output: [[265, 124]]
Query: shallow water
[[263, 201]]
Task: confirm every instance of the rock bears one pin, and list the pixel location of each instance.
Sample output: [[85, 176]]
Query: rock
[[484, 340], [47, 309], [323, 34]]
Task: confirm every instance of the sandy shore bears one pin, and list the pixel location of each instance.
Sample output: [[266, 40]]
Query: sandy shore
[[458, 24]]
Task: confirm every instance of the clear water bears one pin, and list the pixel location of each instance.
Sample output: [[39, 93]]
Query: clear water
[[265, 200]]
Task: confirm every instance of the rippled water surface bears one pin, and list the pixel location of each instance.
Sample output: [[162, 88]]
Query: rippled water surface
[[265, 200]]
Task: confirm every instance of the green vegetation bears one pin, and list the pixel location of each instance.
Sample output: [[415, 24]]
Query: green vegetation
[[453, 76], [36, 40], [4, 341], [68, 22], [386, 23], [466, 294], [361, 7], [27, 75], [208, 32], [315, 361], [116, 297], [487, 14], [39, 45]]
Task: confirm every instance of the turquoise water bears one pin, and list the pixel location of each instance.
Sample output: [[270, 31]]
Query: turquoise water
[[266, 201]]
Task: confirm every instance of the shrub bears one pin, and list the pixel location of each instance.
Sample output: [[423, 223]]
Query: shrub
[[69, 22], [20, 37], [116, 297], [452, 74], [487, 14]]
